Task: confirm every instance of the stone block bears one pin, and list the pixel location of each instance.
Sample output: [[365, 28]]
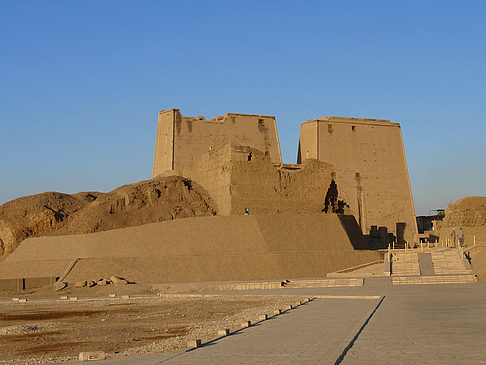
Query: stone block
[[64, 297], [102, 282], [112, 295], [92, 356], [224, 332], [118, 280], [125, 296], [91, 283], [277, 311], [15, 299], [73, 299], [80, 284], [288, 307], [22, 300], [246, 324], [60, 285], [194, 344], [263, 317]]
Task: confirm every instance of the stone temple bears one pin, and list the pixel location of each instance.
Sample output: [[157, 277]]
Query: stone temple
[[237, 158], [255, 218]]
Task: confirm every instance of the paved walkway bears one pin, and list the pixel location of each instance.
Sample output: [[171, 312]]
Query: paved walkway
[[312, 333], [415, 324]]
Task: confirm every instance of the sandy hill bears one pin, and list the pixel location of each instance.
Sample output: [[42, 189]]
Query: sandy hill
[[135, 204]]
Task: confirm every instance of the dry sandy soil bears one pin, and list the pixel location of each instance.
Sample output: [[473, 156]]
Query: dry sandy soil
[[144, 202], [34, 333]]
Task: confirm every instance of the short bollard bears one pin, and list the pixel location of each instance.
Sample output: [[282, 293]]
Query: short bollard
[[194, 344], [224, 332], [277, 311], [263, 317], [92, 356], [246, 324]]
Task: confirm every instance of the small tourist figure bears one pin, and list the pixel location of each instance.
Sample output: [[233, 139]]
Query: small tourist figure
[[453, 237], [460, 237]]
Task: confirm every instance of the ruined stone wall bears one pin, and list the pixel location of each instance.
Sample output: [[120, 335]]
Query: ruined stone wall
[[468, 213], [182, 141], [240, 177], [371, 170]]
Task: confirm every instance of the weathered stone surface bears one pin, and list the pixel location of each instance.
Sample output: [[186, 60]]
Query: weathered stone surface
[[224, 332], [194, 343], [60, 285], [191, 137], [118, 280], [371, 171], [92, 356]]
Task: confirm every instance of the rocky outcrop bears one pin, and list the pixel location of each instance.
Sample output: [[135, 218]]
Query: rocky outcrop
[[144, 202]]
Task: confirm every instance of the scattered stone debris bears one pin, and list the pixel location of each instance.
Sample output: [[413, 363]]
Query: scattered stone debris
[[60, 285], [118, 280]]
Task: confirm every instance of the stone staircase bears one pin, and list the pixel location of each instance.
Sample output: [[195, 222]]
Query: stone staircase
[[448, 261], [443, 266], [405, 263]]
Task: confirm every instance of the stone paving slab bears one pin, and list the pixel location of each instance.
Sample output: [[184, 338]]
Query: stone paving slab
[[433, 325], [315, 332], [416, 324]]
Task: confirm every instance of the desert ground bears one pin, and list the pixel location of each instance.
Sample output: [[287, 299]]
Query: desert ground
[[57, 330]]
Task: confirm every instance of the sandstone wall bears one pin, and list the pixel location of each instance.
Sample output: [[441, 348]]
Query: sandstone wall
[[254, 247], [240, 177], [182, 141], [371, 170]]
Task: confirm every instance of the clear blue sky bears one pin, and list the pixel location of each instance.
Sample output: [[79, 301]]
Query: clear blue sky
[[81, 83]]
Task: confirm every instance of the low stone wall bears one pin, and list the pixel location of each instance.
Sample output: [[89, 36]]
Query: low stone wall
[[26, 283], [254, 247]]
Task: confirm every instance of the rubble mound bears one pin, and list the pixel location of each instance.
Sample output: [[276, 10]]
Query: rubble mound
[[466, 212], [52, 213]]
